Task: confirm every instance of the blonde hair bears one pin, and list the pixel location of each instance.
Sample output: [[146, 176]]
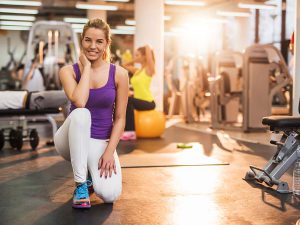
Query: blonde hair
[[102, 25], [142, 50]]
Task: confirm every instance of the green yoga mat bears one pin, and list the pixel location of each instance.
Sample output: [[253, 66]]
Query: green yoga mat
[[170, 156]]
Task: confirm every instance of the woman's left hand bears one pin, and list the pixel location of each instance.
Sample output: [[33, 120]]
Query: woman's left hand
[[107, 164]]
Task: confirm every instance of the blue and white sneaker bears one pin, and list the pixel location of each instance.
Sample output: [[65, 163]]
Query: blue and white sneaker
[[81, 198]]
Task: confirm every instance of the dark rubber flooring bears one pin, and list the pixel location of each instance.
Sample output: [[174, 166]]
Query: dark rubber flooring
[[36, 187]]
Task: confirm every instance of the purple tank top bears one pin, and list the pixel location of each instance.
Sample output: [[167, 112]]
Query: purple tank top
[[101, 104]]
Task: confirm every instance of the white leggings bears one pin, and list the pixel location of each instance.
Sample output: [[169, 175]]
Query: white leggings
[[73, 142]]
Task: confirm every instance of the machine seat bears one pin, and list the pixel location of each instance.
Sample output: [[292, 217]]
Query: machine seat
[[28, 112], [282, 121]]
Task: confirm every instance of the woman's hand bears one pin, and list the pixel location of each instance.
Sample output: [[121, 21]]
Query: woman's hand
[[130, 93], [107, 164], [35, 63], [84, 61]]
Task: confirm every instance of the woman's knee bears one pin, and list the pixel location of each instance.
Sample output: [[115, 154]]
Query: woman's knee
[[81, 116], [107, 195]]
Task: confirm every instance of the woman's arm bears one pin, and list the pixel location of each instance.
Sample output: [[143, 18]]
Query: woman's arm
[[150, 65], [130, 67], [30, 73], [106, 162], [78, 94]]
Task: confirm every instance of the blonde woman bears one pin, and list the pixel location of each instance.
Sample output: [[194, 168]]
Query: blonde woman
[[141, 98], [90, 134]]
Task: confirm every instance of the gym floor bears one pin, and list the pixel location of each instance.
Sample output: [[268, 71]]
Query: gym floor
[[36, 186]]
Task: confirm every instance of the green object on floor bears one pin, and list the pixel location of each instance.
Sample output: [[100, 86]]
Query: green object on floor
[[184, 145]]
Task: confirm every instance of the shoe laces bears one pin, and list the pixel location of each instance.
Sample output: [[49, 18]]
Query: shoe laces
[[81, 191]]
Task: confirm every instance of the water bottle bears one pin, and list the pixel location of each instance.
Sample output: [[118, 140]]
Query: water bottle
[[296, 175]]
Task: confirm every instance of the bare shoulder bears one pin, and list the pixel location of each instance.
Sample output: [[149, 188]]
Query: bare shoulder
[[66, 69], [121, 76], [120, 71]]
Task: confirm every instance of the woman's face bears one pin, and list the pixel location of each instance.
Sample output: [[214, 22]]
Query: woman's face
[[94, 44], [138, 57]]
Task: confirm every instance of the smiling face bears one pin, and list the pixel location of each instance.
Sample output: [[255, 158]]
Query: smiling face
[[94, 43]]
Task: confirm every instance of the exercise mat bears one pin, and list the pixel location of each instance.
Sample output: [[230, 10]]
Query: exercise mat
[[169, 156]]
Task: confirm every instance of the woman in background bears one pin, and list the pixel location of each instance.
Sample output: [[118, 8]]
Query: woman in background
[[141, 98]]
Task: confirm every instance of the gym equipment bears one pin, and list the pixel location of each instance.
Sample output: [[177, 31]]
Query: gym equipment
[[245, 86], [6, 80], [285, 156], [17, 137], [226, 90], [149, 124], [56, 44], [191, 93], [20, 132], [259, 94], [175, 94]]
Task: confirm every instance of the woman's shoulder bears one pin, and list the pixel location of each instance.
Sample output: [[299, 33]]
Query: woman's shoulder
[[121, 74], [67, 68], [120, 71]]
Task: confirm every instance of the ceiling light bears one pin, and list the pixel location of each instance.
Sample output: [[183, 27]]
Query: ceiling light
[[256, 6], [130, 22], [16, 23], [272, 2], [76, 30], [77, 26], [19, 11], [133, 22], [10, 17], [233, 13], [185, 3], [117, 31], [82, 5], [23, 3], [167, 18], [131, 28], [75, 20], [14, 28], [117, 0]]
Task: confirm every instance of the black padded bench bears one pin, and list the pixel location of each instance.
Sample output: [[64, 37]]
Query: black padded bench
[[282, 122], [28, 112]]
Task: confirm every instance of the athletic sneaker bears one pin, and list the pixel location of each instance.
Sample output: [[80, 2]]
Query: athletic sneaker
[[89, 183], [81, 198], [128, 136]]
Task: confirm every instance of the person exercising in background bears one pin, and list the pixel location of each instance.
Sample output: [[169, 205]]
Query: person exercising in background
[[33, 78], [141, 98], [89, 136]]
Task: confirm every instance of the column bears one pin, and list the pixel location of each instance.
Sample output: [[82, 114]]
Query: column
[[149, 16], [92, 14], [243, 35]]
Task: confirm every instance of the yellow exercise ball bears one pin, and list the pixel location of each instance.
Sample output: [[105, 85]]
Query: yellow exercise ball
[[149, 124]]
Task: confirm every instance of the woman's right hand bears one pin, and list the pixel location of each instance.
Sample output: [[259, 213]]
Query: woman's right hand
[[130, 93], [84, 61]]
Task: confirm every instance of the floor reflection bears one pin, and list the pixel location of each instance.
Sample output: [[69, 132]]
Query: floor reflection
[[188, 210]]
